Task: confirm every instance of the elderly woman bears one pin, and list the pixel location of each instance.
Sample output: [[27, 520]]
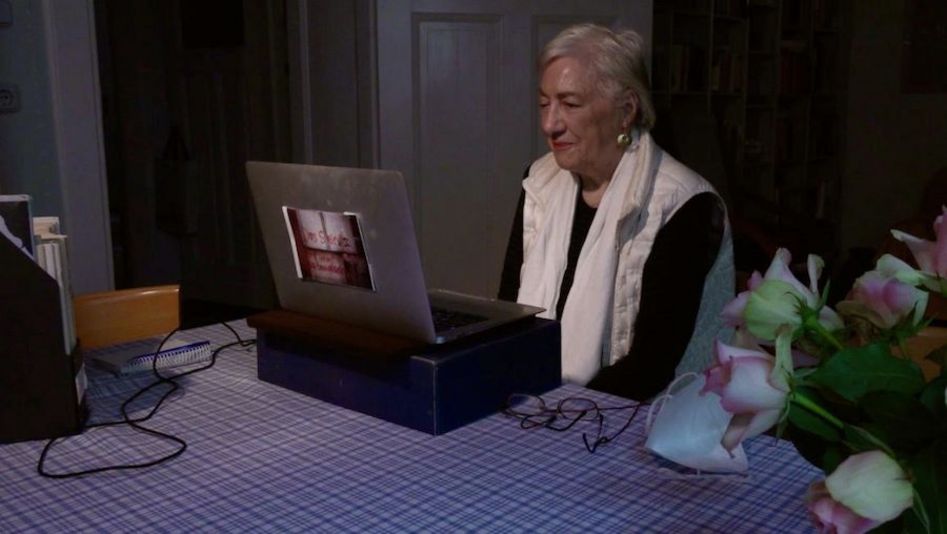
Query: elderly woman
[[626, 246]]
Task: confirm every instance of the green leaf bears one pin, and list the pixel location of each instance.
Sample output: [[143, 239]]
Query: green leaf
[[832, 457], [929, 471], [854, 372], [817, 451], [824, 298], [802, 373], [895, 526], [933, 398], [805, 420], [860, 439], [906, 423]]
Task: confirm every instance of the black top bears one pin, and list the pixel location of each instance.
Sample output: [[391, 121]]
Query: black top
[[672, 283]]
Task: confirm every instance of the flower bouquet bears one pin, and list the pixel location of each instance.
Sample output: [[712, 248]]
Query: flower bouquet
[[838, 383]]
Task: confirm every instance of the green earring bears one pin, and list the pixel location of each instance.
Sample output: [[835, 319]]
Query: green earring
[[624, 139]]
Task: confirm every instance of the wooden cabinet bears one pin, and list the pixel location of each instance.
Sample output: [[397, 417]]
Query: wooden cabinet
[[770, 74]]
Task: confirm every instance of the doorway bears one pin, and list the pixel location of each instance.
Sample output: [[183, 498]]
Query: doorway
[[191, 90]]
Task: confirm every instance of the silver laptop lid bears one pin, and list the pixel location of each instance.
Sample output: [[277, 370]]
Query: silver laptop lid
[[341, 245]]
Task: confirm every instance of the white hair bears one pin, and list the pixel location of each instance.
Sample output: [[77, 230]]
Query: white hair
[[617, 60]]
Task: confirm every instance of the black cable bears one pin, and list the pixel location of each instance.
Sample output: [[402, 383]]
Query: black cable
[[539, 415], [135, 422], [602, 437], [243, 343]]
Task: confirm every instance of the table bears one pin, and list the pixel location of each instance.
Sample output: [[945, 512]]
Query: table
[[262, 458]]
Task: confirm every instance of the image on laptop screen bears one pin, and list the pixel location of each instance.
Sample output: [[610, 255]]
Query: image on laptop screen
[[328, 247]]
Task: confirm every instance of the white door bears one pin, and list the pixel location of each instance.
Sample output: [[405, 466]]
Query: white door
[[457, 114]]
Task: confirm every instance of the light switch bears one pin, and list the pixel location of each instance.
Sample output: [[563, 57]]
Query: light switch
[[9, 98]]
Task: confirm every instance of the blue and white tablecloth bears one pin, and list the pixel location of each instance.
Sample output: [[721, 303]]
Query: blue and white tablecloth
[[262, 458]]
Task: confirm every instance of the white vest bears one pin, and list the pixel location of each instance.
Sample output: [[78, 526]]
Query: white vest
[[651, 186]]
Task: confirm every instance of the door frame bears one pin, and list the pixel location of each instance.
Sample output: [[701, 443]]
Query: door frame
[[76, 103]]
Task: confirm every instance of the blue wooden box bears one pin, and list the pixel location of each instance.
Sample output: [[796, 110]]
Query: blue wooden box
[[432, 388]]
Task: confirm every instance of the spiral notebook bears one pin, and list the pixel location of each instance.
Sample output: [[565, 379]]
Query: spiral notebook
[[136, 357]]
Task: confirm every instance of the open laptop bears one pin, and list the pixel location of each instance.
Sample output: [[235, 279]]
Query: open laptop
[[341, 246]]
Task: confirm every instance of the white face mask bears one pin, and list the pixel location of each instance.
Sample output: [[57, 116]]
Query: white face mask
[[689, 427]]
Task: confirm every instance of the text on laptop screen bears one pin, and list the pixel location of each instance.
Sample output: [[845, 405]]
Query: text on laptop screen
[[328, 247]]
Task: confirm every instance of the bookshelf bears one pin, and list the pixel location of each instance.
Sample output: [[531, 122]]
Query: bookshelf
[[770, 73]]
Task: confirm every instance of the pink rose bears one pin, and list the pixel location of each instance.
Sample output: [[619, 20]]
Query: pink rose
[[751, 387], [931, 256], [772, 300], [831, 516], [885, 300], [733, 312], [864, 491]]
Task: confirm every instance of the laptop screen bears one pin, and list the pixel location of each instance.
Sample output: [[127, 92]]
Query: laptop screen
[[341, 245]]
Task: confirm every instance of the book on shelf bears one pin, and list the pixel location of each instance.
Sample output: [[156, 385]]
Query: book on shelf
[[677, 70], [730, 8], [824, 14], [726, 72], [687, 69], [140, 356], [794, 70]]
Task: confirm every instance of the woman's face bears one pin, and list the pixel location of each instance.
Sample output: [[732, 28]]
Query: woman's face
[[580, 123]]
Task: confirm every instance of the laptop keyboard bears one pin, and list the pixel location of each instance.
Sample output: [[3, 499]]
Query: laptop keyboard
[[448, 319]]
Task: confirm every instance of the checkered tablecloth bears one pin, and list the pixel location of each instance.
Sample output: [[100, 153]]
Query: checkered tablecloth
[[262, 458]]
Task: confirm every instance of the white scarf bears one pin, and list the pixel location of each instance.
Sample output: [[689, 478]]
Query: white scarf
[[586, 317]]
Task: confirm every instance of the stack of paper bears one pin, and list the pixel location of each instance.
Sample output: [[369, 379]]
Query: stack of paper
[[51, 255]]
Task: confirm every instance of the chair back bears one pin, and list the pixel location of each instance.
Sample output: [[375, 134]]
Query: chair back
[[112, 317]]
